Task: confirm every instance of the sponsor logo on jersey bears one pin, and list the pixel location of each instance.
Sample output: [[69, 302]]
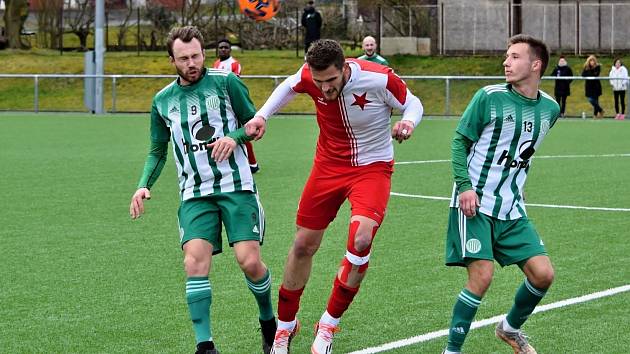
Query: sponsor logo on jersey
[[473, 245], [509, 118], [202, 133], [173, 109], [526, 150]]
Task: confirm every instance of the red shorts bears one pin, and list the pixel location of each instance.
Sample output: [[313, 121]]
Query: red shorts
[[367, 187]]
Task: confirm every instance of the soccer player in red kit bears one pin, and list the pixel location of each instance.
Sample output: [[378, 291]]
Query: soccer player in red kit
[[228, 63], [353, 160]]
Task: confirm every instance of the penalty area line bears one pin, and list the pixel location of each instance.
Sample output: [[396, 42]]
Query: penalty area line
[[486, 322], [526, 204]]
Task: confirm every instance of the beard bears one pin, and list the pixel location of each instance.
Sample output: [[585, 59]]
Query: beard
[[191, 75]]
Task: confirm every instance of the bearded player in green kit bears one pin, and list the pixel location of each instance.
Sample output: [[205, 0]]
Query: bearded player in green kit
[[201, 114], [498, 133]]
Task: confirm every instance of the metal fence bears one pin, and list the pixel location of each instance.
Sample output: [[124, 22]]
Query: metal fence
[[445, 104], [483, 27]]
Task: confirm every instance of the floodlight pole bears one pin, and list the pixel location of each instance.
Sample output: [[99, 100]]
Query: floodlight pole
[[99, 51]]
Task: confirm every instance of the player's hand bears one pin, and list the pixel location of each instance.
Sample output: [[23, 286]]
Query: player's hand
[[222, 148], [402, 130], [136, 208], [255, 127], [469, 202]]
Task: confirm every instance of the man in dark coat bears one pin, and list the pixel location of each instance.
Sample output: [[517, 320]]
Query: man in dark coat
[[312, 23]]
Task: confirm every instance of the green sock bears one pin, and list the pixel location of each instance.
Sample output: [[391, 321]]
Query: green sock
[[525, 301], [199, 298], [463, 313], [262, 292]]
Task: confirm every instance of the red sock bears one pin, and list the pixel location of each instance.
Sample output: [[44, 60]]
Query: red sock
[[340, 298], [288, 303], [251, 158]]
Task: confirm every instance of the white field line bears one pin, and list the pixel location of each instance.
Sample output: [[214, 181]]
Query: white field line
[[526, 204], [536, 157], [486, 322]]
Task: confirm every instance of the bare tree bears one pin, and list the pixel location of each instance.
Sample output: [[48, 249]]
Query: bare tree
[[124, 26], [15, 14], [80, 21], [48, 23]]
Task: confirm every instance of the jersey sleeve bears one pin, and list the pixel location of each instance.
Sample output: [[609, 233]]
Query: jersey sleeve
[[236, 68], [475, 117], [153, 165], [242, 104], [460, 147], [281, 96], [398, 96], [160, 133]]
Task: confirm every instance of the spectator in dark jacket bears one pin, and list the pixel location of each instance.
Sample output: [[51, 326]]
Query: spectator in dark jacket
[[593, 88], [312, 23], [563, 87]]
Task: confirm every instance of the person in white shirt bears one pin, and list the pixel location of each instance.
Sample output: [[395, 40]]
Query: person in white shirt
[[619, 83]]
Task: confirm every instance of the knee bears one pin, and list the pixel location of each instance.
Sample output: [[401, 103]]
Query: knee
[[251, 265], [543, 280], [479, 281], [362, 241], [304, 249], [483, 281], [196, 264]]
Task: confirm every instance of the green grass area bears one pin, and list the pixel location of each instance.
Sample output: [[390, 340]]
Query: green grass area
[[134, 95], [78, 276]]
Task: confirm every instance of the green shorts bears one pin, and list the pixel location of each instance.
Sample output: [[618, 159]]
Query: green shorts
[[240, 212], [484, 237]]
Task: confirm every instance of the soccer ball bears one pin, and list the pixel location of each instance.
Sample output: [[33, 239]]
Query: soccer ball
[[259, 10]]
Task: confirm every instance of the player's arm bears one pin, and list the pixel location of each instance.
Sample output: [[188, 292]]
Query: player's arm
[[475, 118], [153, 165], [244, 110], [242, 105], [460, 148], [398, 96], [280, 97]]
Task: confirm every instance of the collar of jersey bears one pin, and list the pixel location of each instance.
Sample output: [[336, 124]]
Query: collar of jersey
[[193, 85], [525, 100], [354, 75]]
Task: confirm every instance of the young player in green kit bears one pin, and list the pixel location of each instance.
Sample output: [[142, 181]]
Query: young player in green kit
[[498, 133], [201, 114]]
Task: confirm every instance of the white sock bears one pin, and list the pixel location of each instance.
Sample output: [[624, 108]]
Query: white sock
[[289, 326], [328, 319], [506, 327]]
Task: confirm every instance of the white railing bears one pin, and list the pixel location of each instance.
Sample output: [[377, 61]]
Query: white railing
[[276, 79]]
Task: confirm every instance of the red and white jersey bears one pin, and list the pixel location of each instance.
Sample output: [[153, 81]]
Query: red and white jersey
[[354, 129], [229, 64]]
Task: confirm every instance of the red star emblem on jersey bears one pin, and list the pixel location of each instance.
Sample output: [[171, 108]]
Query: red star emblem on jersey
[[360, 101]]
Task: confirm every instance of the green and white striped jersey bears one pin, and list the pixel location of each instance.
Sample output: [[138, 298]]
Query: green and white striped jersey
[[190, 117], [506, 129]]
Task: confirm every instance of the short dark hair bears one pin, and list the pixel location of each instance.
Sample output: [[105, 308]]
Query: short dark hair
[[323, 53], [185, 34], [224, 40], [537, 48]]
